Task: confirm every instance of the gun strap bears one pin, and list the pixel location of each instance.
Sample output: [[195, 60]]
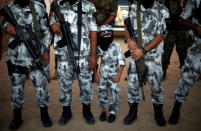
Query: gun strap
[[79, 25], [139, 34], [36, 24]]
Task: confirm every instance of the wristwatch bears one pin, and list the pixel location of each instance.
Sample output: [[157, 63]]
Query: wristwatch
[[144, 51]]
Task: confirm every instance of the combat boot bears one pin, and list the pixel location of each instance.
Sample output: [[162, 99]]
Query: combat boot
[[103, 116], [111, 118], [45, 117], [87, 114], [17, 120], [66, 115], [159, 114], [175, 113], [132, 115]]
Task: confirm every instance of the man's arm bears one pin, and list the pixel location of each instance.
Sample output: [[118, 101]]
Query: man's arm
[[158, 39], [189, 24], [138, 53], [113, 13], [47, 38], [131, 44], [93, 39], [110, 20]]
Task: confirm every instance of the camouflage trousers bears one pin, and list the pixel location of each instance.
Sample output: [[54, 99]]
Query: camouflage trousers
[[66, 78], [154, 75], [18, 82], [190, 72], [178, 38], [105, 85]]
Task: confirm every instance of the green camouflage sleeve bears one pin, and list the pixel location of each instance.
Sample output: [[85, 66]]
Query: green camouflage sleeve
[[114, 7]]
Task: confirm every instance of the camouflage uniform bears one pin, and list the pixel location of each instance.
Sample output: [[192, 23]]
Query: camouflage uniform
[[192, 67], [177, 35], [65, 68], [105, 9], [111, 59], [20, 56], [153, 24]]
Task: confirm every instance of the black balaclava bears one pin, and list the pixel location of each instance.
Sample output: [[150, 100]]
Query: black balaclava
[[22, 3], [72, 1], [147, 3], [104, 42]]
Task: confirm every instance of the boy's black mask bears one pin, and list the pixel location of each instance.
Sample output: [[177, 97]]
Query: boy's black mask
[[72, 1], [147, 3], [105, 42], [22, 3]]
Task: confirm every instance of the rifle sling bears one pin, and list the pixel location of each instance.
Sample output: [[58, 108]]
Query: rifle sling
[[36, 24], [139, 35], [79, 25]]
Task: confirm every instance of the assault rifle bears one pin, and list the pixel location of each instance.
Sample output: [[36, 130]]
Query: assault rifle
[[67, 37], [140, 72], [28, 37]]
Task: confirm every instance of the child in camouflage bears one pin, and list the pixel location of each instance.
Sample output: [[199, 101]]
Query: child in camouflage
[[111, 67]]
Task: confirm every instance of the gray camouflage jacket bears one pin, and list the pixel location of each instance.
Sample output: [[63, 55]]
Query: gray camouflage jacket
[[70, 15], [111, 59], [24, 17], [152, 24]]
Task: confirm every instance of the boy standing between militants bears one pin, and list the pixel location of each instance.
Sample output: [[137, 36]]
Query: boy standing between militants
[[106, 14], [111, 68], [153, 30], [85, 58], [192, 66], [21, 61]]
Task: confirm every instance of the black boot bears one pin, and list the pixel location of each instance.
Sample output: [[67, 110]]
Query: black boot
[[103, 116], [45, 117], [159, 114], [17, 120], [175, 113], [132, 115], [87, 114], [66, 115], [111, 118]]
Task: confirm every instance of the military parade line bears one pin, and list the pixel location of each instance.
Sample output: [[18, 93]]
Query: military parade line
[[81, 32]]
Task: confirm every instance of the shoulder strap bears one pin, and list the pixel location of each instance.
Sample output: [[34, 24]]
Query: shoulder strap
[[36, 24], [79, 25], [139, 32]]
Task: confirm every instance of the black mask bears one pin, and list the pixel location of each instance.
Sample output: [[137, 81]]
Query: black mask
[[22, 3], [72, 1], [105, 42], [147, 3]]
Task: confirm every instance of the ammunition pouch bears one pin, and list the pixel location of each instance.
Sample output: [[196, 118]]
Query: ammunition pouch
[[12, 68]]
